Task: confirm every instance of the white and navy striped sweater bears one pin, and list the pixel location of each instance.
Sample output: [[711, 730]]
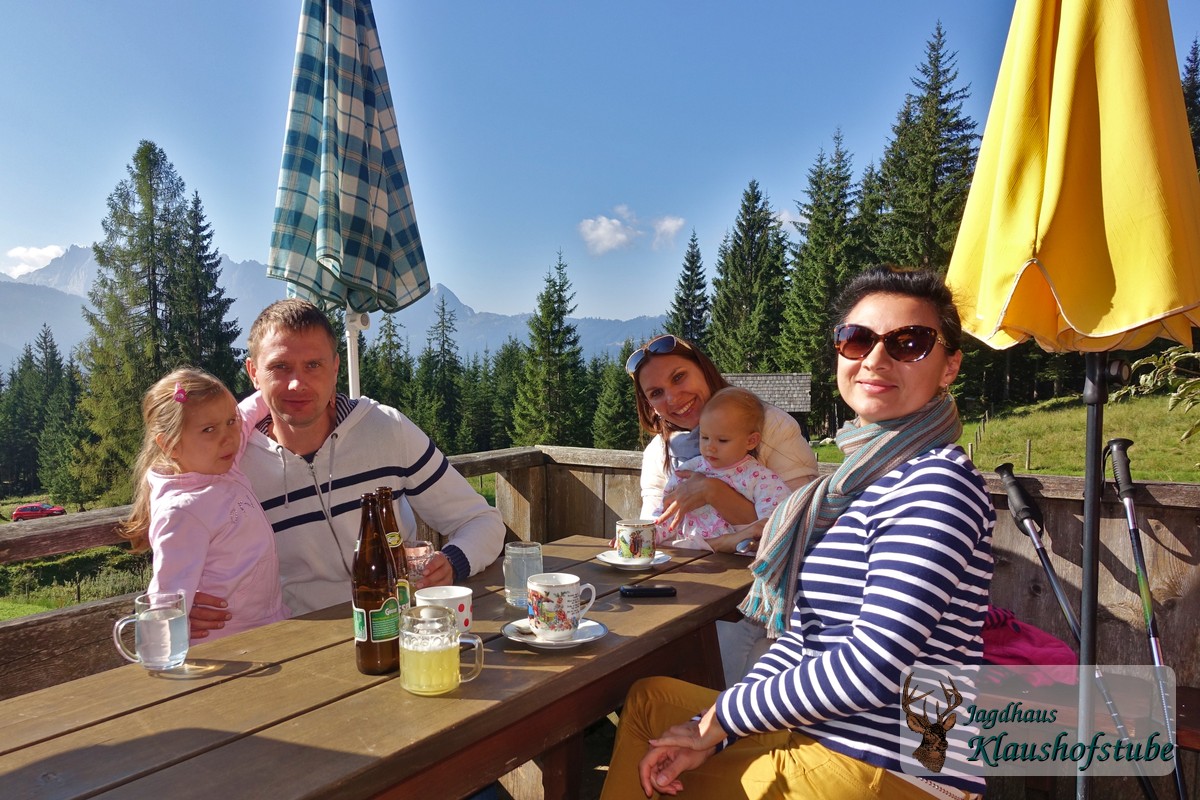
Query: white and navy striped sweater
[[313, 505], [901, 578]]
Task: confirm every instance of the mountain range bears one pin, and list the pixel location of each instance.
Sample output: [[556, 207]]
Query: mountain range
[[56, 294]]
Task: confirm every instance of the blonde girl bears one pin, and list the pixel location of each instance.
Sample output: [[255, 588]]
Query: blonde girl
[[194, 507]]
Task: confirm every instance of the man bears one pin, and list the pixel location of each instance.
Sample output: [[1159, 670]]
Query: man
[[314, 452]]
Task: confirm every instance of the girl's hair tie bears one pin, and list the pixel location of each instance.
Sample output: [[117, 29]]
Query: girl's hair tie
[[180, 393]]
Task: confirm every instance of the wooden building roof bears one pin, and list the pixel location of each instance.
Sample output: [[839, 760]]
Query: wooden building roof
[[788, 390]]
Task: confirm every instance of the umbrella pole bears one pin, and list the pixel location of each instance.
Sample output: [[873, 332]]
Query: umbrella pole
[[1095, 395], [355, 321]]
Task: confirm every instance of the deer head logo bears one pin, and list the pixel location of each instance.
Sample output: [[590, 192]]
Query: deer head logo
[[932, 750]]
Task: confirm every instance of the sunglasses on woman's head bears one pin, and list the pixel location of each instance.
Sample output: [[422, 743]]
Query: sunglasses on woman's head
[[658, 346], [908, 344]]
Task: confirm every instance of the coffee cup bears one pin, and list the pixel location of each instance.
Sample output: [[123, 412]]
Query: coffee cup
[[455, 598], [635, 540], [160, 631], [430, 660], [554, 605]]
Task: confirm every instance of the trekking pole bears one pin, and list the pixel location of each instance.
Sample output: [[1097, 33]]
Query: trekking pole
[[1119, 448], [1028, 517]]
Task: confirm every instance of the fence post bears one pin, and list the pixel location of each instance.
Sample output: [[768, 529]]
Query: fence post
[[1028, 453]]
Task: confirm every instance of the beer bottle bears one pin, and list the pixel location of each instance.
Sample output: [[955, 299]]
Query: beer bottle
[[376, 610], [391, 529]]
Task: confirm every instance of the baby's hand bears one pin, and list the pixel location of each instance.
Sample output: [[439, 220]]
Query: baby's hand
[[727, 543]]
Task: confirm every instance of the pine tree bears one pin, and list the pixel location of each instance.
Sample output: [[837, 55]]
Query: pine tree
[[822, 265], [507, 368], [387, 366], [551, 407], [23, 410], [475, 404], [124, 353], [59, 447], [928, 164], [688, 316], [747, 306], [615, 425], [197, 331], [435, 405], [1191, 96], [866, 224]]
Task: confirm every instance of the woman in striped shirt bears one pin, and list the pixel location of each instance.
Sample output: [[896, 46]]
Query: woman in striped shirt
[[863, 576]]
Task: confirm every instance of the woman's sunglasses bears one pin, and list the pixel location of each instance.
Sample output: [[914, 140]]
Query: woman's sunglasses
[[658, 346], [908, 344]]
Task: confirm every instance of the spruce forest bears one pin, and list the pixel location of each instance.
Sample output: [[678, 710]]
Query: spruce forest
[[71, 422]]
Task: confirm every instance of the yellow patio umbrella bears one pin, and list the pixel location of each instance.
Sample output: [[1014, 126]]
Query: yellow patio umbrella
[[1082, 226]]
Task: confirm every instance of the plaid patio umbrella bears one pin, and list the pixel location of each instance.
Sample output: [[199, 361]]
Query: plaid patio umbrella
[[345, 234], [1082, 227]]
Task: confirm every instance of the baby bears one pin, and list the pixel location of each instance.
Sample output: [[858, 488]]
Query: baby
[[730, 430]]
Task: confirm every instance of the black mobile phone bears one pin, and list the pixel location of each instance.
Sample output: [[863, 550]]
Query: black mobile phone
[[647, 590]]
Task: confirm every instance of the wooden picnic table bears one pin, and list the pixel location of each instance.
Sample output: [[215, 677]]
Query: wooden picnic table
[[281, 711]]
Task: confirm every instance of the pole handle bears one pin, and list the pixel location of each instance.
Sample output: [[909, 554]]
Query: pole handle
[[1119, 448], [1020, 504]]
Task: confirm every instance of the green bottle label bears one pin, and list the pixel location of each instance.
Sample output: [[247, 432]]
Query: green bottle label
[[385, 621], [404, 593], [393, 539], [360, 624]]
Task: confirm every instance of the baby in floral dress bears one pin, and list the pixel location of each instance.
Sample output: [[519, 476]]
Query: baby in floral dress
[[730, 430]]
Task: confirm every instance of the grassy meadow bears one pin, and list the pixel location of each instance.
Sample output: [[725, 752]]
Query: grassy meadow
[[1055, 432]]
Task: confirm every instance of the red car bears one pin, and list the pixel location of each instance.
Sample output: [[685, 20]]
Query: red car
[[36, 511]]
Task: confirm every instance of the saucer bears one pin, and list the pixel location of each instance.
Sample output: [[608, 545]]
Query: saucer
[[588, 631], [611, 558]]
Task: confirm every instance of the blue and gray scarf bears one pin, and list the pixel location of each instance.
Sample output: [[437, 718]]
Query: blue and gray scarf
[[872, 451]]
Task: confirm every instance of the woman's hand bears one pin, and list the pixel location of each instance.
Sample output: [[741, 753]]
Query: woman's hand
[[679, 749]]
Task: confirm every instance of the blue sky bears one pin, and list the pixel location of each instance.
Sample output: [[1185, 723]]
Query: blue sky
[[608, 131]]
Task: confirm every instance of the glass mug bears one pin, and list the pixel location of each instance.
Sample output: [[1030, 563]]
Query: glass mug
[[521, 559], [429, 655], [160, 630]]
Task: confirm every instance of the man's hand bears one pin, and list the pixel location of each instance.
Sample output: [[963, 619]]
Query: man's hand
[[206, 614], [438, 572]]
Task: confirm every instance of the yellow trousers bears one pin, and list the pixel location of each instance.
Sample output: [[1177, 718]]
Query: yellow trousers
[[777, 766]]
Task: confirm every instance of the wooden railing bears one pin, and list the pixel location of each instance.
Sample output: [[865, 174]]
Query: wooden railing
[[545, 493]]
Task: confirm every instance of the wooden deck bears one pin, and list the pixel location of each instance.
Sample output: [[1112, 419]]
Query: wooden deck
[[545, 493]]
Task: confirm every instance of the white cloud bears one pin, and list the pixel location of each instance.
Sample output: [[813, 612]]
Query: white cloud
[[665, 229], [602, 234], [29, 259], [787, 218]]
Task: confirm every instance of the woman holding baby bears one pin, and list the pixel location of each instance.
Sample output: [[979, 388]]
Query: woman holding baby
[[860, 577]]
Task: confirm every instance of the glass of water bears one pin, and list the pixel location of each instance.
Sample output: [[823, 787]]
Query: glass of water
[[521, 559], [160, 630]]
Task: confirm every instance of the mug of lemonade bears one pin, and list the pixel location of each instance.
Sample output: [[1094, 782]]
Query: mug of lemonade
[[429, 655], [160, 630]]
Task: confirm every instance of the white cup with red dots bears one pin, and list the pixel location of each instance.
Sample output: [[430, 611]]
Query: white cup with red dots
[[455, 598]]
